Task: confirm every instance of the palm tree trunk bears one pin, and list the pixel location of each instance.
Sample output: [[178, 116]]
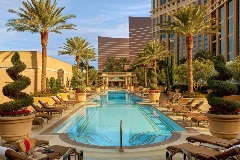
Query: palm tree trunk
[[155, 65], [189, 45], [77, 65], [87, 72], [145, 75], [44, 42]]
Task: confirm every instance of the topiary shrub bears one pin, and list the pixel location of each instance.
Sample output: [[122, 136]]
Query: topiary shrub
[[221, 88], [153, 81], [13, 90]]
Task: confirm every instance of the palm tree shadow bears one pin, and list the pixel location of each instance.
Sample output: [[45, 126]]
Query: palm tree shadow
[[7, 56]]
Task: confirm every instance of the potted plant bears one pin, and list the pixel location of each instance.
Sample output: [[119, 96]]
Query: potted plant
[[154, 92], [81, 89], [135, 83], [223, 116], [15, 118]]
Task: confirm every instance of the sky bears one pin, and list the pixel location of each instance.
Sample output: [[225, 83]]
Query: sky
[[106, 18]]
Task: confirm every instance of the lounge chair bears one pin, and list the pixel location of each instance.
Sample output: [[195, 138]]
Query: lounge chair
[[44, 116], [47, 106], [58, 102], [200, 152], [67, 102], [163, 102], [193, 114], [48, 111], [180, 105], [221, 142], [37, 121], [184, 109], [13, 155], [199, 119], [37, 143]]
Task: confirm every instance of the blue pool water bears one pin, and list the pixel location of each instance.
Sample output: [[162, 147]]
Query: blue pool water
[[99, 125]]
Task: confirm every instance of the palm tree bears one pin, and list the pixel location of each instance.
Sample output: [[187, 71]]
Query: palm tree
[[88, 55], [189, 21], [205, 55], [124, 61], [142, 61], [155, 51], [40, 17], [110, 64], [75, 46]]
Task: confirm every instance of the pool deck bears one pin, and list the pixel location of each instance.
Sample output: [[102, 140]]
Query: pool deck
[[150, 152]]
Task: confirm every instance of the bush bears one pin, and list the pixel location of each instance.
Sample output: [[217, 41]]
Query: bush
[[221, 88], [13, 90]]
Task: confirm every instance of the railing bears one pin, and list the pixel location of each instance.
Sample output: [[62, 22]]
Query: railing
[[121, 148], [72, 152]]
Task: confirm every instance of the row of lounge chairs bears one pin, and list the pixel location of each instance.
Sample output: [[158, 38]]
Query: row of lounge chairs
[[46, 111], [217, 148], [39, 149], [187, 110]]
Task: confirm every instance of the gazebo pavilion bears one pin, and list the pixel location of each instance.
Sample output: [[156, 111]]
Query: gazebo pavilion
[[119, 79]]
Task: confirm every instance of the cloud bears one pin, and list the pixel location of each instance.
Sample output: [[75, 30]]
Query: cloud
[[99, 19], [120, 30]]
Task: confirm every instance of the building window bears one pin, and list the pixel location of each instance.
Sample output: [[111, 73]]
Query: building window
[[163, 2], [222, 48], [230, 31], [184, 46], [206, 42], [194, 45], [199, 42]]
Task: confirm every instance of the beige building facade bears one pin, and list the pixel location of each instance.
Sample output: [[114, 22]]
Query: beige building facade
[[33, 60]]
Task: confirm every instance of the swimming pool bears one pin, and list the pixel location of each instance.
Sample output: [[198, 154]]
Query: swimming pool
[[99, 125]]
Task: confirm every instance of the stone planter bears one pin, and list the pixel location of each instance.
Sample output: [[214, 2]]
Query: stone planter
[[15, 128], [224, 126], [153, 96], [136, 89], [81, 97]]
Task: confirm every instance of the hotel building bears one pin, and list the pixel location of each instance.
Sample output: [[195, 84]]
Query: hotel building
[[107, 47], [227, 13], [139, 33]]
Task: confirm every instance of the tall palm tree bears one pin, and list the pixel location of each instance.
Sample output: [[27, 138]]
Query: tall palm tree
[[88, 55], [142, 61], [123, 61], [75, 46], [155, 51], [40, 17], [189, 21], [110, 64]]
